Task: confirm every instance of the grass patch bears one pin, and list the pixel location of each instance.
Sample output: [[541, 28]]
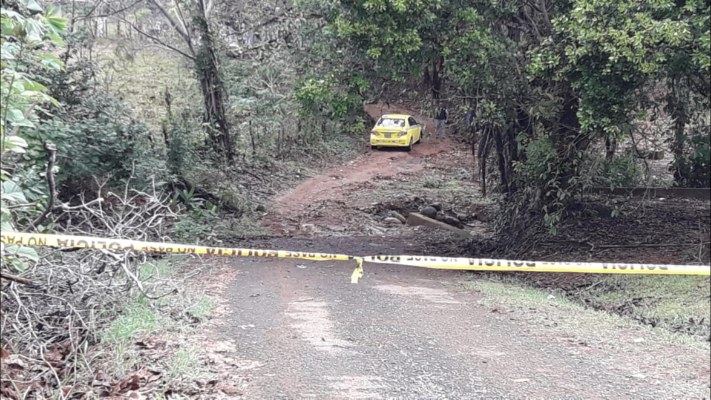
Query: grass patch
[[155, 270], [506, 290], [562, 311], [141, 76], [678, 303], [184, 364], [202, 308], [138, 319], [166, 319], [432, 182]]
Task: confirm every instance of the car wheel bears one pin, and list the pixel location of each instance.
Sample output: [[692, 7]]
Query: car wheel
[[409, 147], [373, 147]]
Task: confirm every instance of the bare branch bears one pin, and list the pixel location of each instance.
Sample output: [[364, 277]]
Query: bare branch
[[181, 19], [112, 13], [51, 185], [208, 8], [178, 27], [16, 278], [272, 19], [160, 42], [98, 3]]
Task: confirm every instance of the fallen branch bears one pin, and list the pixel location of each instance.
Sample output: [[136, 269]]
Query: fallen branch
[[15, 278]]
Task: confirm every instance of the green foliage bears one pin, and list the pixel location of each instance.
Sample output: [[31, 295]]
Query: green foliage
[[620, 171], [26, 32], [138, 319], [388, 32], [540, 164], [694, 164], [323, 97], [609, 49], [199, 223], [96, 137], [179, 136]]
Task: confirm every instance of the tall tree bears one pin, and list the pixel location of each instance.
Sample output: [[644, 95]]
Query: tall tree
[[191, 20]]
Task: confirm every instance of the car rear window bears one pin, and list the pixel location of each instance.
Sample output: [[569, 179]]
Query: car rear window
[[391, 122]]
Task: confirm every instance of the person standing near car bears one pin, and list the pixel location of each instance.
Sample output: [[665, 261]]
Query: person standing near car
[[440, 121]]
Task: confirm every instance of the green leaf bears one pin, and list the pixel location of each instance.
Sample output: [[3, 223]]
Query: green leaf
[[12, 192], [15, 144], [32, 5], [6, 226], [22, 252]]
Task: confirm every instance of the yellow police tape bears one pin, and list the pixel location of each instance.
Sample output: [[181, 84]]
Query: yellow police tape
[[70, 241], [453, 263], [486, 264]]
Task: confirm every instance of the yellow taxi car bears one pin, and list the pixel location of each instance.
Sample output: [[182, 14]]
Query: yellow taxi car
[[396, 130]]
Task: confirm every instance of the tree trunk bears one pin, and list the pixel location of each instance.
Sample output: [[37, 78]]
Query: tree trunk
[[610, 147], [676, 110], [212, 88], [437, 79], [568, 140]]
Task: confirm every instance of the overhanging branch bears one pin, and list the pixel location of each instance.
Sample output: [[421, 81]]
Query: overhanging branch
[[160, 42]]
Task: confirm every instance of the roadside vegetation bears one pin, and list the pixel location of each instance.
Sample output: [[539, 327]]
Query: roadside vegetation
[[160, 120]]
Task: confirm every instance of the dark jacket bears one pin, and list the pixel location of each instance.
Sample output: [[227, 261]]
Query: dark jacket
[[442, 114]]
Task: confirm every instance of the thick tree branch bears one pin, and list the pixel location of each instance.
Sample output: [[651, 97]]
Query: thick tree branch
[[178, 27], [184, 25]]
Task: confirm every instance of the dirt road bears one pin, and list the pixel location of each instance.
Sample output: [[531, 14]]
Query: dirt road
[[300, 330], [324, 200]]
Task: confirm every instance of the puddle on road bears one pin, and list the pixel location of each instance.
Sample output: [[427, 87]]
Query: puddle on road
[[312, 321], [438, 296]]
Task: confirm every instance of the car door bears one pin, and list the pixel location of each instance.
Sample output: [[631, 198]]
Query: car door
[[415, 129]]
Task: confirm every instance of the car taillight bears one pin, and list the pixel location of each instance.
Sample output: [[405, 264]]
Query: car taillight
[[402, 133]]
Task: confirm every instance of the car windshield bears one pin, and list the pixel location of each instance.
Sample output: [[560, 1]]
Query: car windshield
[[391, 122]]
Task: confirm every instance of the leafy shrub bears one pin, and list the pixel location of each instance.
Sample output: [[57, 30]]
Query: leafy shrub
[[619, 171], [97, 137], [693, 169], [179, 137]]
